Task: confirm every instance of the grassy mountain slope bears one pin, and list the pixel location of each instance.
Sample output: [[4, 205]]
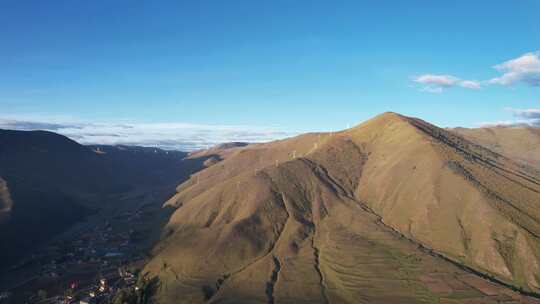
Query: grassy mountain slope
[[389, 211], [461, 199], [519, 143]]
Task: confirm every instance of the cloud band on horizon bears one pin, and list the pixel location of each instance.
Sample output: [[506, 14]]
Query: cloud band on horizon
[[171, 136]]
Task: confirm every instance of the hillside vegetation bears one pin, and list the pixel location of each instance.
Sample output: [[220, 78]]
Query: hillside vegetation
[[394, 210]]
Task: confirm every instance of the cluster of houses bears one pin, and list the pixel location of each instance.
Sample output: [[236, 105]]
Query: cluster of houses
[[101, 249], [129, 277], [97, 294], [104, 290], [105, 250]]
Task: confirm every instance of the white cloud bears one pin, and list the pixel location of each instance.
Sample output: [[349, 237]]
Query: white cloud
[[525, 68], [437, 83], [178, 136], [437, 80], [470, 84]]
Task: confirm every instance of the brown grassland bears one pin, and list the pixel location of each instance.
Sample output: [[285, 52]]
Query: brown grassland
[[394, 210]]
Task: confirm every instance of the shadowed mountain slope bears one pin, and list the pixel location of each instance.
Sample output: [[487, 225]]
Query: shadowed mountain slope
[[394, 210], [49, 182], [5, 201]]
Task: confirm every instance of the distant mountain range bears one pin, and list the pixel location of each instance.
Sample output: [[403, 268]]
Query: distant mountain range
[[395, 210], [521, 143]]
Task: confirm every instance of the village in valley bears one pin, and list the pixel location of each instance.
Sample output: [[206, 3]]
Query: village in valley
[[98, 263]]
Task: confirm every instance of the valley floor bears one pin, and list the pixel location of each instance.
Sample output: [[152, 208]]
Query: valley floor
[[74, 263]]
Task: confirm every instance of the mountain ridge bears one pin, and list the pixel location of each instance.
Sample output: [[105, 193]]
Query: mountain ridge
[[519, 143], [276, 204]]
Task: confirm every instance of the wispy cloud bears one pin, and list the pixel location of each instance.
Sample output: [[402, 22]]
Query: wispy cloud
[[528, 116], [433, 83], [431, 89], [525, 68], [437, 80], [178, 136], [499, 123], [522, 117]]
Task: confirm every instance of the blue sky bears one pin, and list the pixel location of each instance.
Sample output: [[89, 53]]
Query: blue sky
[[283, 66]]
